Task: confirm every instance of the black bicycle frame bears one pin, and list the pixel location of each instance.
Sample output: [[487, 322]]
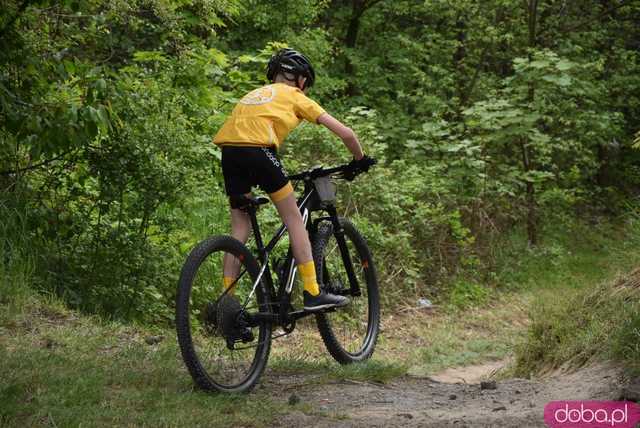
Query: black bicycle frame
[[281, 301]]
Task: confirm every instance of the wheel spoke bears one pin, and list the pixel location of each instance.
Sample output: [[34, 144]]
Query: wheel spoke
[[349, 333], [203, 341]]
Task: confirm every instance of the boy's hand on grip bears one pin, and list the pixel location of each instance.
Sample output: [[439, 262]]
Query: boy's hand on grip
[[365, 163], [356, 167]]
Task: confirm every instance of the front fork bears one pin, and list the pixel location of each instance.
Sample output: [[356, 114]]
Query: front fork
[[338, 232]]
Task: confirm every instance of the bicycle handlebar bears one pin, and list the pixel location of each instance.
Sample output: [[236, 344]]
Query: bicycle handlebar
[[317, 172], [345, 171]]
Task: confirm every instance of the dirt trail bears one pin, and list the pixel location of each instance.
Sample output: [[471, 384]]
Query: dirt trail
[[427, 402]]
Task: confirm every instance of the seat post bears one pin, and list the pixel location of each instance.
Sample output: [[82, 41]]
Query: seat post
[[250, 205], [251, 211]]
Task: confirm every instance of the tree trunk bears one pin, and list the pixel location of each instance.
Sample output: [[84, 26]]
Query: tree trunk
[[350, 42], [459, 57], [354, 23], [358, 8], [503, 64], [606, 45], [532, 217]]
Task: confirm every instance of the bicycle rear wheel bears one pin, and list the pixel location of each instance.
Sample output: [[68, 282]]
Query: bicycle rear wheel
[[223, 346], [349, 333]]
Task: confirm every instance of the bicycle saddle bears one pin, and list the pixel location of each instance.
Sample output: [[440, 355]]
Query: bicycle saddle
[[243, 202]]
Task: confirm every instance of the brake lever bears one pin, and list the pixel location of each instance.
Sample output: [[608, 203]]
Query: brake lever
[[349, 175]]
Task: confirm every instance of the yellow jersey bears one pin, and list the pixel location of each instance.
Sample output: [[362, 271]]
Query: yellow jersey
[[265, 116]]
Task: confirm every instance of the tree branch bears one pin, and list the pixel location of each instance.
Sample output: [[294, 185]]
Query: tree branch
[[32, 167], [369, 4], [476, 73]]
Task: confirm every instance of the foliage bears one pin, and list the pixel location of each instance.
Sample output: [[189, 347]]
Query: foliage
[[120, 142], [484, 121], [464, 294]]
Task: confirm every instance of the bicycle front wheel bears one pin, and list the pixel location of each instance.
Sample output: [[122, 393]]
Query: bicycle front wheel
[[223, 343], [349, 333]]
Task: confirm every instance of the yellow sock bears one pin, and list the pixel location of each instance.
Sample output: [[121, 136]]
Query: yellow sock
[[308, 274], [227, 281]]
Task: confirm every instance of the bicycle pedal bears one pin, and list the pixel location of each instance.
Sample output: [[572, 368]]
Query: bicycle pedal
[[247, 336], [318, 311]]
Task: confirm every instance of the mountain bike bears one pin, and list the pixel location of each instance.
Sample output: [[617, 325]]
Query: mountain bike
[[225, 334]]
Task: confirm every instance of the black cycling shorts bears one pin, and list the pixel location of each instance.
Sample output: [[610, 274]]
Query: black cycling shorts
[[247, 167]]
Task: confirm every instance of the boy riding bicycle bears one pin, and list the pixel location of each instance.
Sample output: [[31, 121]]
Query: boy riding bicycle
[[249, 139]]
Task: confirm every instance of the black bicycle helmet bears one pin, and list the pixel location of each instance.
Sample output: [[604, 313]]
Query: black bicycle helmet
[[291, 62]]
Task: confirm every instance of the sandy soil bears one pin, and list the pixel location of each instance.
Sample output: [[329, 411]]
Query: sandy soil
[[454, 398]]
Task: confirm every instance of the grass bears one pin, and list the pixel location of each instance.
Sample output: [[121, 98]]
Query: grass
[[460, 337], [17, 264], [570, 256], [575, 311], [480, 324], [574, 315], [59, 369], [596, 322]]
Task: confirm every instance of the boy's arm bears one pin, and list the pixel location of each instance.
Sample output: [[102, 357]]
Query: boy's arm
[[347, 135]]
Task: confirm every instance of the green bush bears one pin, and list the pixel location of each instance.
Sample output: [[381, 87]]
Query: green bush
[[464, 294], [107, 110]]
